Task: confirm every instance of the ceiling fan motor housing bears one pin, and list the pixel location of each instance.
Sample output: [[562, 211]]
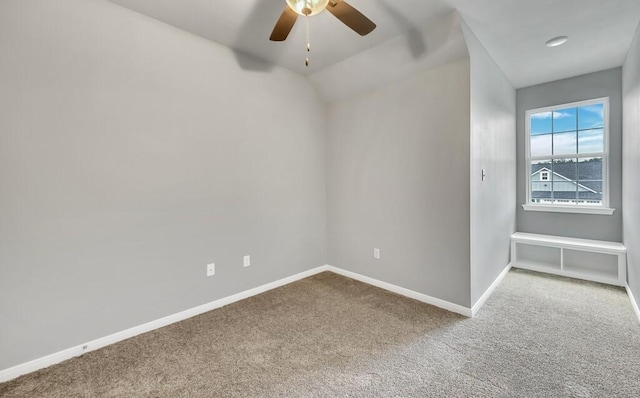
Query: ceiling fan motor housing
[[307, 7], [340, 9]]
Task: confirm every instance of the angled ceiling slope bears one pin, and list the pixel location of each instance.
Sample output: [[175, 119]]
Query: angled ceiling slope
[[247, 24], [513, 31]]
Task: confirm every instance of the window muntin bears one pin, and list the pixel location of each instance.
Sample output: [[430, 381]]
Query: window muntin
[[567, 154]]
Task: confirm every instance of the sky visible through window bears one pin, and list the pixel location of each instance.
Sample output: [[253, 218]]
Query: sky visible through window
[[568, 131]]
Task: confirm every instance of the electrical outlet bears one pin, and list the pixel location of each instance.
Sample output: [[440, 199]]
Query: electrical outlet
[[247, 261], [376, 253], [211, 269]]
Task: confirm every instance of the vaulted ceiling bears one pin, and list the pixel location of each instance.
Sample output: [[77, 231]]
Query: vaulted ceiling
[[513, 31]]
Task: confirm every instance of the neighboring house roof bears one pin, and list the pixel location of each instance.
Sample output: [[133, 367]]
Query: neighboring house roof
[[591, 170], [588, 174]]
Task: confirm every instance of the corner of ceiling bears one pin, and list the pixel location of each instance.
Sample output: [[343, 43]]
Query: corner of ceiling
[[439, 41], [474, 45]]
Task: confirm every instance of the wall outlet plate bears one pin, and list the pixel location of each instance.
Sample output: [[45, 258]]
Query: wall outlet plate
[[376, 253], [247, 261], [211, 269]]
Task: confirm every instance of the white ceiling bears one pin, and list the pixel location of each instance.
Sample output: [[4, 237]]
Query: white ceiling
[[513, 31]]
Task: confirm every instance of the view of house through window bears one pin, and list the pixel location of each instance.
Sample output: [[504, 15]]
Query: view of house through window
[[567, 154]]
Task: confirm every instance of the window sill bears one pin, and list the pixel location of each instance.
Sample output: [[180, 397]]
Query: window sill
[[570, 209]]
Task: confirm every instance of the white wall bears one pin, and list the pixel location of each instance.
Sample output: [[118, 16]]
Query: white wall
[[493, 148], [631, 164], [131, 155], [398, 178]]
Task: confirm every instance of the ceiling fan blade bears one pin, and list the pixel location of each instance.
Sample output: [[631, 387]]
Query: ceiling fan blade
[[351, 17], [284, 25]]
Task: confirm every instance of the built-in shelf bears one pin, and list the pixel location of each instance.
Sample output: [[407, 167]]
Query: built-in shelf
[[542, 267], [599, 261]]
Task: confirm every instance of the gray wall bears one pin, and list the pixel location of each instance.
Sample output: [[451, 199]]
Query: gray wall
[[131, 155], [398, 180], [594, 85], [493, 148], [631, 164]]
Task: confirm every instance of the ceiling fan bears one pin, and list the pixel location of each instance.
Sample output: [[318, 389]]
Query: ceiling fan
[[339, 8]]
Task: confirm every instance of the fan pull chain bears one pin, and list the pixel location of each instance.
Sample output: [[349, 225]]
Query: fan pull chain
[[306, 60]]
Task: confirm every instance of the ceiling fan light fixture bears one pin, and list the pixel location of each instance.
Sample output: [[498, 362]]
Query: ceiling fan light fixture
[[307, 7]]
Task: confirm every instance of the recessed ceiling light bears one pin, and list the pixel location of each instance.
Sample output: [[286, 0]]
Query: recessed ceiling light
[[557, 41]]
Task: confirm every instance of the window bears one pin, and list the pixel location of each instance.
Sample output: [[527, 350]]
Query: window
[[567, 157], [544, 176]]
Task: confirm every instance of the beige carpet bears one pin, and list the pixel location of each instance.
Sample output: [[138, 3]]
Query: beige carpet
[[329, 336]]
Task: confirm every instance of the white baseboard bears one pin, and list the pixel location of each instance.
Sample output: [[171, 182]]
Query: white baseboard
[[483, 299], [40, 363], [634, 303], [60, 356], [459, 309]]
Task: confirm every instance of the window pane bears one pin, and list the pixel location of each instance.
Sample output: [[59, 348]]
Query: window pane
[[541, 123], [591, 116], [541, 145], [564, 181], [590, 169], [564, 192], [590, 182], [565, 170], [565, 120], [540, 190], [565, 143], [590, 193], [591, 141]]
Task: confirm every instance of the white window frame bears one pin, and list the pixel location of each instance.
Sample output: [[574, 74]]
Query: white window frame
[[569, 208]]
